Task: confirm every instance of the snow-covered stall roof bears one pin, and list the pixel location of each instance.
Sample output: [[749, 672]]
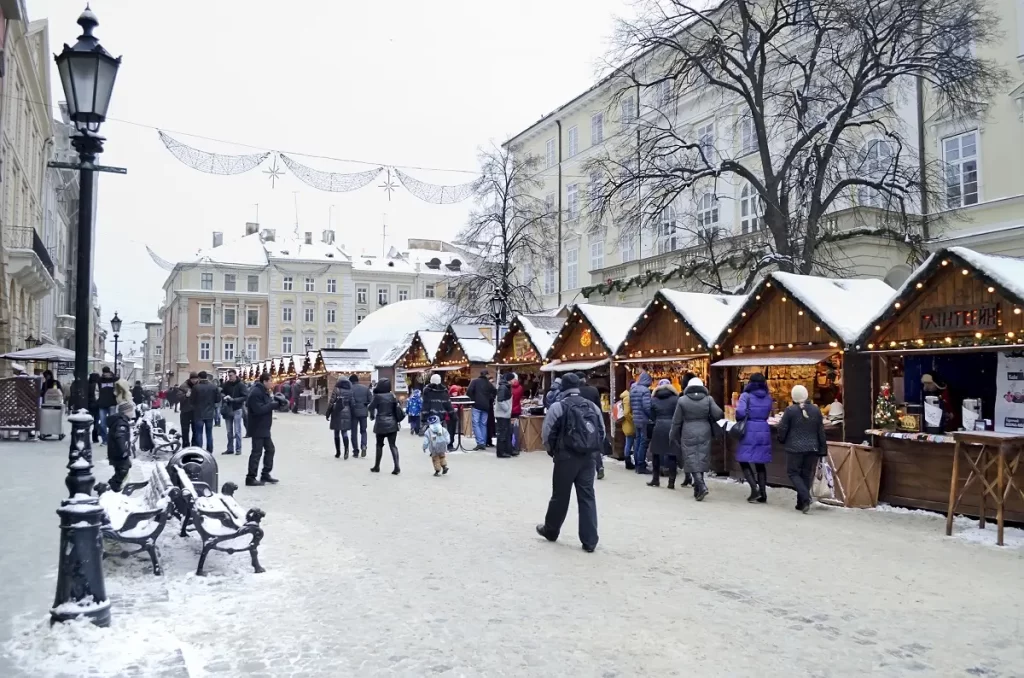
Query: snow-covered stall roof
[[844, 305], [380, 330], [541, 330], [397, 351], [611, 323], [346, 360], [469, 339], [431, 341], [1007, 272], [708, 314]]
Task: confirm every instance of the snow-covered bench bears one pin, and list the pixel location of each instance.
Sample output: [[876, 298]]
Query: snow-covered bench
[[137, 515], [220, 522]]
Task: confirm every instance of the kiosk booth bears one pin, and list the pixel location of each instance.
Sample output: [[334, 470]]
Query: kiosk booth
[[408, 360], [521, 350], [344, 362], [461, 354]]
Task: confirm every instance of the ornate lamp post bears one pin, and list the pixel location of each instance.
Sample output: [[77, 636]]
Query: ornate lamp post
[[498, 310], [115, 327], [87, 74], [309, 345]]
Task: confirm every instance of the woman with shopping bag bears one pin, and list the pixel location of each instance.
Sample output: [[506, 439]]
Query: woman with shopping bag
[[802, 431]]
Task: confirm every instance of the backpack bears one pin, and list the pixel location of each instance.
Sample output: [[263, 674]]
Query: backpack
[[436, 444], [581, 427]]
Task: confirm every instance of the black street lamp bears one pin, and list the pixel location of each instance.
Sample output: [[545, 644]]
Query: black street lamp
[[115, 327], [87, 74], [309, 345]]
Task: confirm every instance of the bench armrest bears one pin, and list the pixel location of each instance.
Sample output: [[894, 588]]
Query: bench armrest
[[129, 488]]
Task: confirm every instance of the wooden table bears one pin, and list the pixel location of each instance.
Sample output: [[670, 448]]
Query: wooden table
[[1003, 450]]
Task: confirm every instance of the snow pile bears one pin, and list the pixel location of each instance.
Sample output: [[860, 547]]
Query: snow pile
[[845, 306], [612, 323], [541, 331], [477, 350], [1008, 272], [708, 314], [380, 330], [397, 351], [247, 251], [964, 528]]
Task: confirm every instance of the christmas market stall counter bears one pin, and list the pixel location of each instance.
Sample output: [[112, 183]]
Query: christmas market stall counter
[[521, 350], [462, 353], [672, 337], [797, 329], [588, 340], [947, 355]]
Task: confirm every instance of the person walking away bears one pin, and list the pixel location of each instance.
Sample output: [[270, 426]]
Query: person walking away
[[438, 402], [573, 432], [93, 403], [628, 429], [232, 406], [138, 398], [414, 408], [640, 403], [172, 397], [693, 426], [261, 416], [593, 395], [217, 414], [662, 452], [361, 398], [482, 392], [119, 449], [503, 415], [204, 406], [339, 413], [551, 397], [517, 411], [188, 429], [802, 431], [387, 415], [755, 448], [436, 441], [107, 400]]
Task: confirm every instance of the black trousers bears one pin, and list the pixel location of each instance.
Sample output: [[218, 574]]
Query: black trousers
[[800, 467], [569, 472], [338, 437], [186, 429], [359, 424], [94, 412], [668, 460], [120, 474], [392, 440], [261, 447], [503, 429]]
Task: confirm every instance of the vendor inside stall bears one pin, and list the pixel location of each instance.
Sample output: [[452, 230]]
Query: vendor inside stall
[[521, 350]]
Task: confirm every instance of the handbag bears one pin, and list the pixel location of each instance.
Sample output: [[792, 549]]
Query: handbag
[[619, 410], [821, 488], [739, 429]]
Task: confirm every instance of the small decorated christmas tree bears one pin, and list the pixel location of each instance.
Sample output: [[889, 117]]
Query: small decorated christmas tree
[[885, 409]]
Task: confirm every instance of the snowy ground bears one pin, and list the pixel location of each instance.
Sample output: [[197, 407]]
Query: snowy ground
[[415, 575]]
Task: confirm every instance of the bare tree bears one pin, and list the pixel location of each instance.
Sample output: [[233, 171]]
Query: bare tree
[[814, 106], [510, 233]]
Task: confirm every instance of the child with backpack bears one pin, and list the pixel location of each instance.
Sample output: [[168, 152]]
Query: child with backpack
[[414, 408], [435, 441]]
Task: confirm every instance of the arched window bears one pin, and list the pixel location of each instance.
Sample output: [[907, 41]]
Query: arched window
[[751, 210]]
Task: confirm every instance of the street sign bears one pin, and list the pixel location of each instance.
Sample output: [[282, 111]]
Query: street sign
[[95, 168]]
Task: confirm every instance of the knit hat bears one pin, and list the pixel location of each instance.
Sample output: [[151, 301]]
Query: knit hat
[[126, 408], [433, 419], [664, 382], [799, 393], [757, 376], [569, 381], [696, 381], [435, 379]]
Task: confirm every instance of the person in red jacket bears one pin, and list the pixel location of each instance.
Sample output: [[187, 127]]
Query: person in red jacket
[[517, 399]]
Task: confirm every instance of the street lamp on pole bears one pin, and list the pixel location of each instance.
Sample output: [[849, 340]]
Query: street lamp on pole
[[87, 73], [115, 326], [309, 345]]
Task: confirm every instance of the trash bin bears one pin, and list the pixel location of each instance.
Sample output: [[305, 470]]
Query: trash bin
[[199, 465], [51, 415]]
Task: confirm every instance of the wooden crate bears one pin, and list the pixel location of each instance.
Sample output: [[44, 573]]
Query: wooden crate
[[856, 472]]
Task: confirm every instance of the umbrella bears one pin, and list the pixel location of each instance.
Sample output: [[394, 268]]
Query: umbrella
[[48, 353]]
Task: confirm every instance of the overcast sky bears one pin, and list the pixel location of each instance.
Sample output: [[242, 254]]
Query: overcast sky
[[404, 82]]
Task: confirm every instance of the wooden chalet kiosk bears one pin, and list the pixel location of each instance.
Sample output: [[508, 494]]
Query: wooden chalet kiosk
[[409, 359], [521, 350], [950, 347], [314, 375], [798, 329], [462, 353]]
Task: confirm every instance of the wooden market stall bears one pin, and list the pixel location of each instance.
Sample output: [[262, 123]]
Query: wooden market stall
[[521, 350], [344, 362], [409, 360], [950, 348], [313, 375], [672, 337], [462, 353], [799, 329]]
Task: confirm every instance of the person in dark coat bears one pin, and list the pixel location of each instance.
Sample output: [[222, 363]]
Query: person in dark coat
[[261, 416], [106, 400], [438, 402], [119, 447], [593, 395], [233, 395], [172, 397], [361, 398], [189, 432], [93, 403], [503, 416], [387, 415], [205, 395], [339, 413], [693, 427], [660, 451], [755, 448], [482, 392], [551, 397], [640, 405], [802, 431]]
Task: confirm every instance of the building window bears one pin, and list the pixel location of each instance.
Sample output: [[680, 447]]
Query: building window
[[206, 315], [254, 283], [706, 139], [158, 351], [428, 291], [594, 191], [549, 277], [206, 281], [229, 351], [229, 282], [572, 201], [204, 350], [332, 316], [574, 141], [663, 93], [382, 296], [332, 285], [960, 155], [286, 344], [628, 106], [361, 293], [596, 253], [551, 153], [310, 285], [572, 267], [627, 245], [286, 283], [596, 129], [451, 291], [875, 164], [748, 136], [308, 314], [751, 210], [230, 316], [360, 317], [549, 204], [253, 349], [668, 241], [403, 294], [286, 314], [707, 212], [156, 367], [252, 317], [332, 342]]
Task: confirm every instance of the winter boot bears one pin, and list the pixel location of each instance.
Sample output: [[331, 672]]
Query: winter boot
[[672, 478], [252, 482], [363, 453], [346, 449], [656, 477], [700, 490], [687, 479], [437, 473], [444, 470], [630, 466], [748, 475], [376, 463], [600, 473], [762, 485], [394, 458], [337, 449]]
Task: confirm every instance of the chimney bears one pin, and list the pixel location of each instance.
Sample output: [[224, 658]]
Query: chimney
[[251, 227], [309, 237], [329, 237], [218, 238], [268, 235]]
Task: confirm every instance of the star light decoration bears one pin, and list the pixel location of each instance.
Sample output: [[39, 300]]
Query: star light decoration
[[389, 185], [274, 172]]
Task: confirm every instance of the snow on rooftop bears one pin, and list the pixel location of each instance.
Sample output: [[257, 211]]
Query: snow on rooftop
[[296, 249], [395, 352], [381, 329], [431, 341], [612, 323], [246, 251], [708, 314], [1008, 272], [477, 350], [541, 331], [846, 305], [372, 262]]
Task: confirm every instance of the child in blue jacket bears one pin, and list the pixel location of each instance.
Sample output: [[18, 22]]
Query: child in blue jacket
[[414, 409]]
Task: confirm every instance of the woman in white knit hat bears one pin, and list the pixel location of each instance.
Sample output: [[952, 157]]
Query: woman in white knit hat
[[802, 431]]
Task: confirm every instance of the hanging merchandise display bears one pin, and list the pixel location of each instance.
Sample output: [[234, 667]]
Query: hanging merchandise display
[[212, 163]]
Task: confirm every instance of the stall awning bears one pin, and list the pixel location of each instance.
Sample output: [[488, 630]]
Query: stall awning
[[664, 359], [417, 370], [559, 366], [788, 358], [446, 368]]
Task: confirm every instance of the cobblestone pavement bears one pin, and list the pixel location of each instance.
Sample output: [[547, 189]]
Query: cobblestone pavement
[[414, 575]]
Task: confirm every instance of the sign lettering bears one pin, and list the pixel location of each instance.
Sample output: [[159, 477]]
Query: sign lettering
[[952, 319]]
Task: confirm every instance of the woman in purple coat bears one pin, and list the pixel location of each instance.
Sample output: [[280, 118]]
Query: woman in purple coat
[[755, 449]]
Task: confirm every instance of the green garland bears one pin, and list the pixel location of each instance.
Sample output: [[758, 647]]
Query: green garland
[[681, 272]]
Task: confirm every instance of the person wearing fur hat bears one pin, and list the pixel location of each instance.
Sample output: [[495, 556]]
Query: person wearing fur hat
[[119, 446], [802, 431], [503, 416], [437, 442], [437, 400], [660, 451], [693, 427]]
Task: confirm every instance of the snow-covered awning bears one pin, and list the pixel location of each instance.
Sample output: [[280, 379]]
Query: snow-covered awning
[[846, 306], [708, 314], [610, 322], [767, 359], [559, 366]]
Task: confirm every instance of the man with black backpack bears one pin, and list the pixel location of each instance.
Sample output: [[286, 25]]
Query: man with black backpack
[[573, 433]]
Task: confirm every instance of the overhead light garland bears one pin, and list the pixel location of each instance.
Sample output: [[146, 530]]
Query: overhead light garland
[[333, 182], [439, 195], [212, 163]]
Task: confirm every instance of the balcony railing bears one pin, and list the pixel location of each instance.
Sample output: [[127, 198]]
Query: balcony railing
[[26, 238]]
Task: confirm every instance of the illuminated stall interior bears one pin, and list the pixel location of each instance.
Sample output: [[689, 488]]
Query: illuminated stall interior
[[523, 347], [462, 353]]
